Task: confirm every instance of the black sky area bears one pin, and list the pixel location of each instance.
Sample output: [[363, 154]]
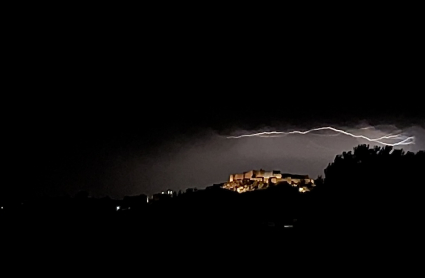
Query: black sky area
[[82, 97]]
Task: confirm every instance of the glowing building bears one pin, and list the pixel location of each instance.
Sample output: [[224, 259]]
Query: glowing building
[[262, 179]]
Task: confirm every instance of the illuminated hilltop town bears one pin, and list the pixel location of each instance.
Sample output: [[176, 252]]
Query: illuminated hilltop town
[[255, 180]]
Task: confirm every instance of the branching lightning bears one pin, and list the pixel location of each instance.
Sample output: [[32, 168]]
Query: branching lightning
[[401, 140]]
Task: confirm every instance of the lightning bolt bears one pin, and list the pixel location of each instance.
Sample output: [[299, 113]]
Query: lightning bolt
[[403, 140]]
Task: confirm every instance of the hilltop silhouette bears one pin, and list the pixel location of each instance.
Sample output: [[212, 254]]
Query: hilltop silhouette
[[366, 196]]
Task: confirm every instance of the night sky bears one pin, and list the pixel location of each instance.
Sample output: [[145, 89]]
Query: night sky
[[118, 114], [146, 143]]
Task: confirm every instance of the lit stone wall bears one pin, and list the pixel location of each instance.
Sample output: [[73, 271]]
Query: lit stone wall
[[248, 175], [260, 179]]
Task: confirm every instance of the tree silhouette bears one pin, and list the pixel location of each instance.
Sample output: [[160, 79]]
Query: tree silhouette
[[373, 183]]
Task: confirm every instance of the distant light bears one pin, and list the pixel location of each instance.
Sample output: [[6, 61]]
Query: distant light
[[162, 192], [288, 226], [1, 207], [118, 208]]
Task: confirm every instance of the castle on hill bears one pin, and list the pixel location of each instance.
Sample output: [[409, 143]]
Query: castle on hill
[[262, 179]]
